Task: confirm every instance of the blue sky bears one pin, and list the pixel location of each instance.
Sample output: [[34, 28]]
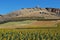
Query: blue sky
[[7, 6]]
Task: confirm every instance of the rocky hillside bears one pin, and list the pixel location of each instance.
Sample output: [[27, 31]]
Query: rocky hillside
[[31, 14]]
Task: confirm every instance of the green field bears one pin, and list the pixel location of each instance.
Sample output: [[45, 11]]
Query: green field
[[29, 24], [29, 34], [42, 33]]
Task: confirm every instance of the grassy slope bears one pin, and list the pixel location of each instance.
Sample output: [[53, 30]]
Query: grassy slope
[[15, 24]]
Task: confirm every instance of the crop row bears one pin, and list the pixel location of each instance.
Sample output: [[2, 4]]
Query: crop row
[[29, 36]]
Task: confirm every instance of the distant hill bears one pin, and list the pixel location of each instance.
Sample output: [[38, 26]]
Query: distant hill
[[32, 14]]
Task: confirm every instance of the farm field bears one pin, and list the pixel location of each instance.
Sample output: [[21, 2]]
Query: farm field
[[29, 24], [35, 33], [29, 34]]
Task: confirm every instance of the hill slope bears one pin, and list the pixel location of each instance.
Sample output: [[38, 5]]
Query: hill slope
[[47, 17]]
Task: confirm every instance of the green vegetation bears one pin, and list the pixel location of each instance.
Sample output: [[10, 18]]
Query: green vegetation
[[29, 24], [29, 34], [14, 19], [44, 33], [17, 23]]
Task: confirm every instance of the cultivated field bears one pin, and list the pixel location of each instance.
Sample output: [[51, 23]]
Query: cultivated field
[[30, 34], [30, 30], [29, 24]]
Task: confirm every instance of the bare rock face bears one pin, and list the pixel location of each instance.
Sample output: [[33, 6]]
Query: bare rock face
[[32, 13]]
